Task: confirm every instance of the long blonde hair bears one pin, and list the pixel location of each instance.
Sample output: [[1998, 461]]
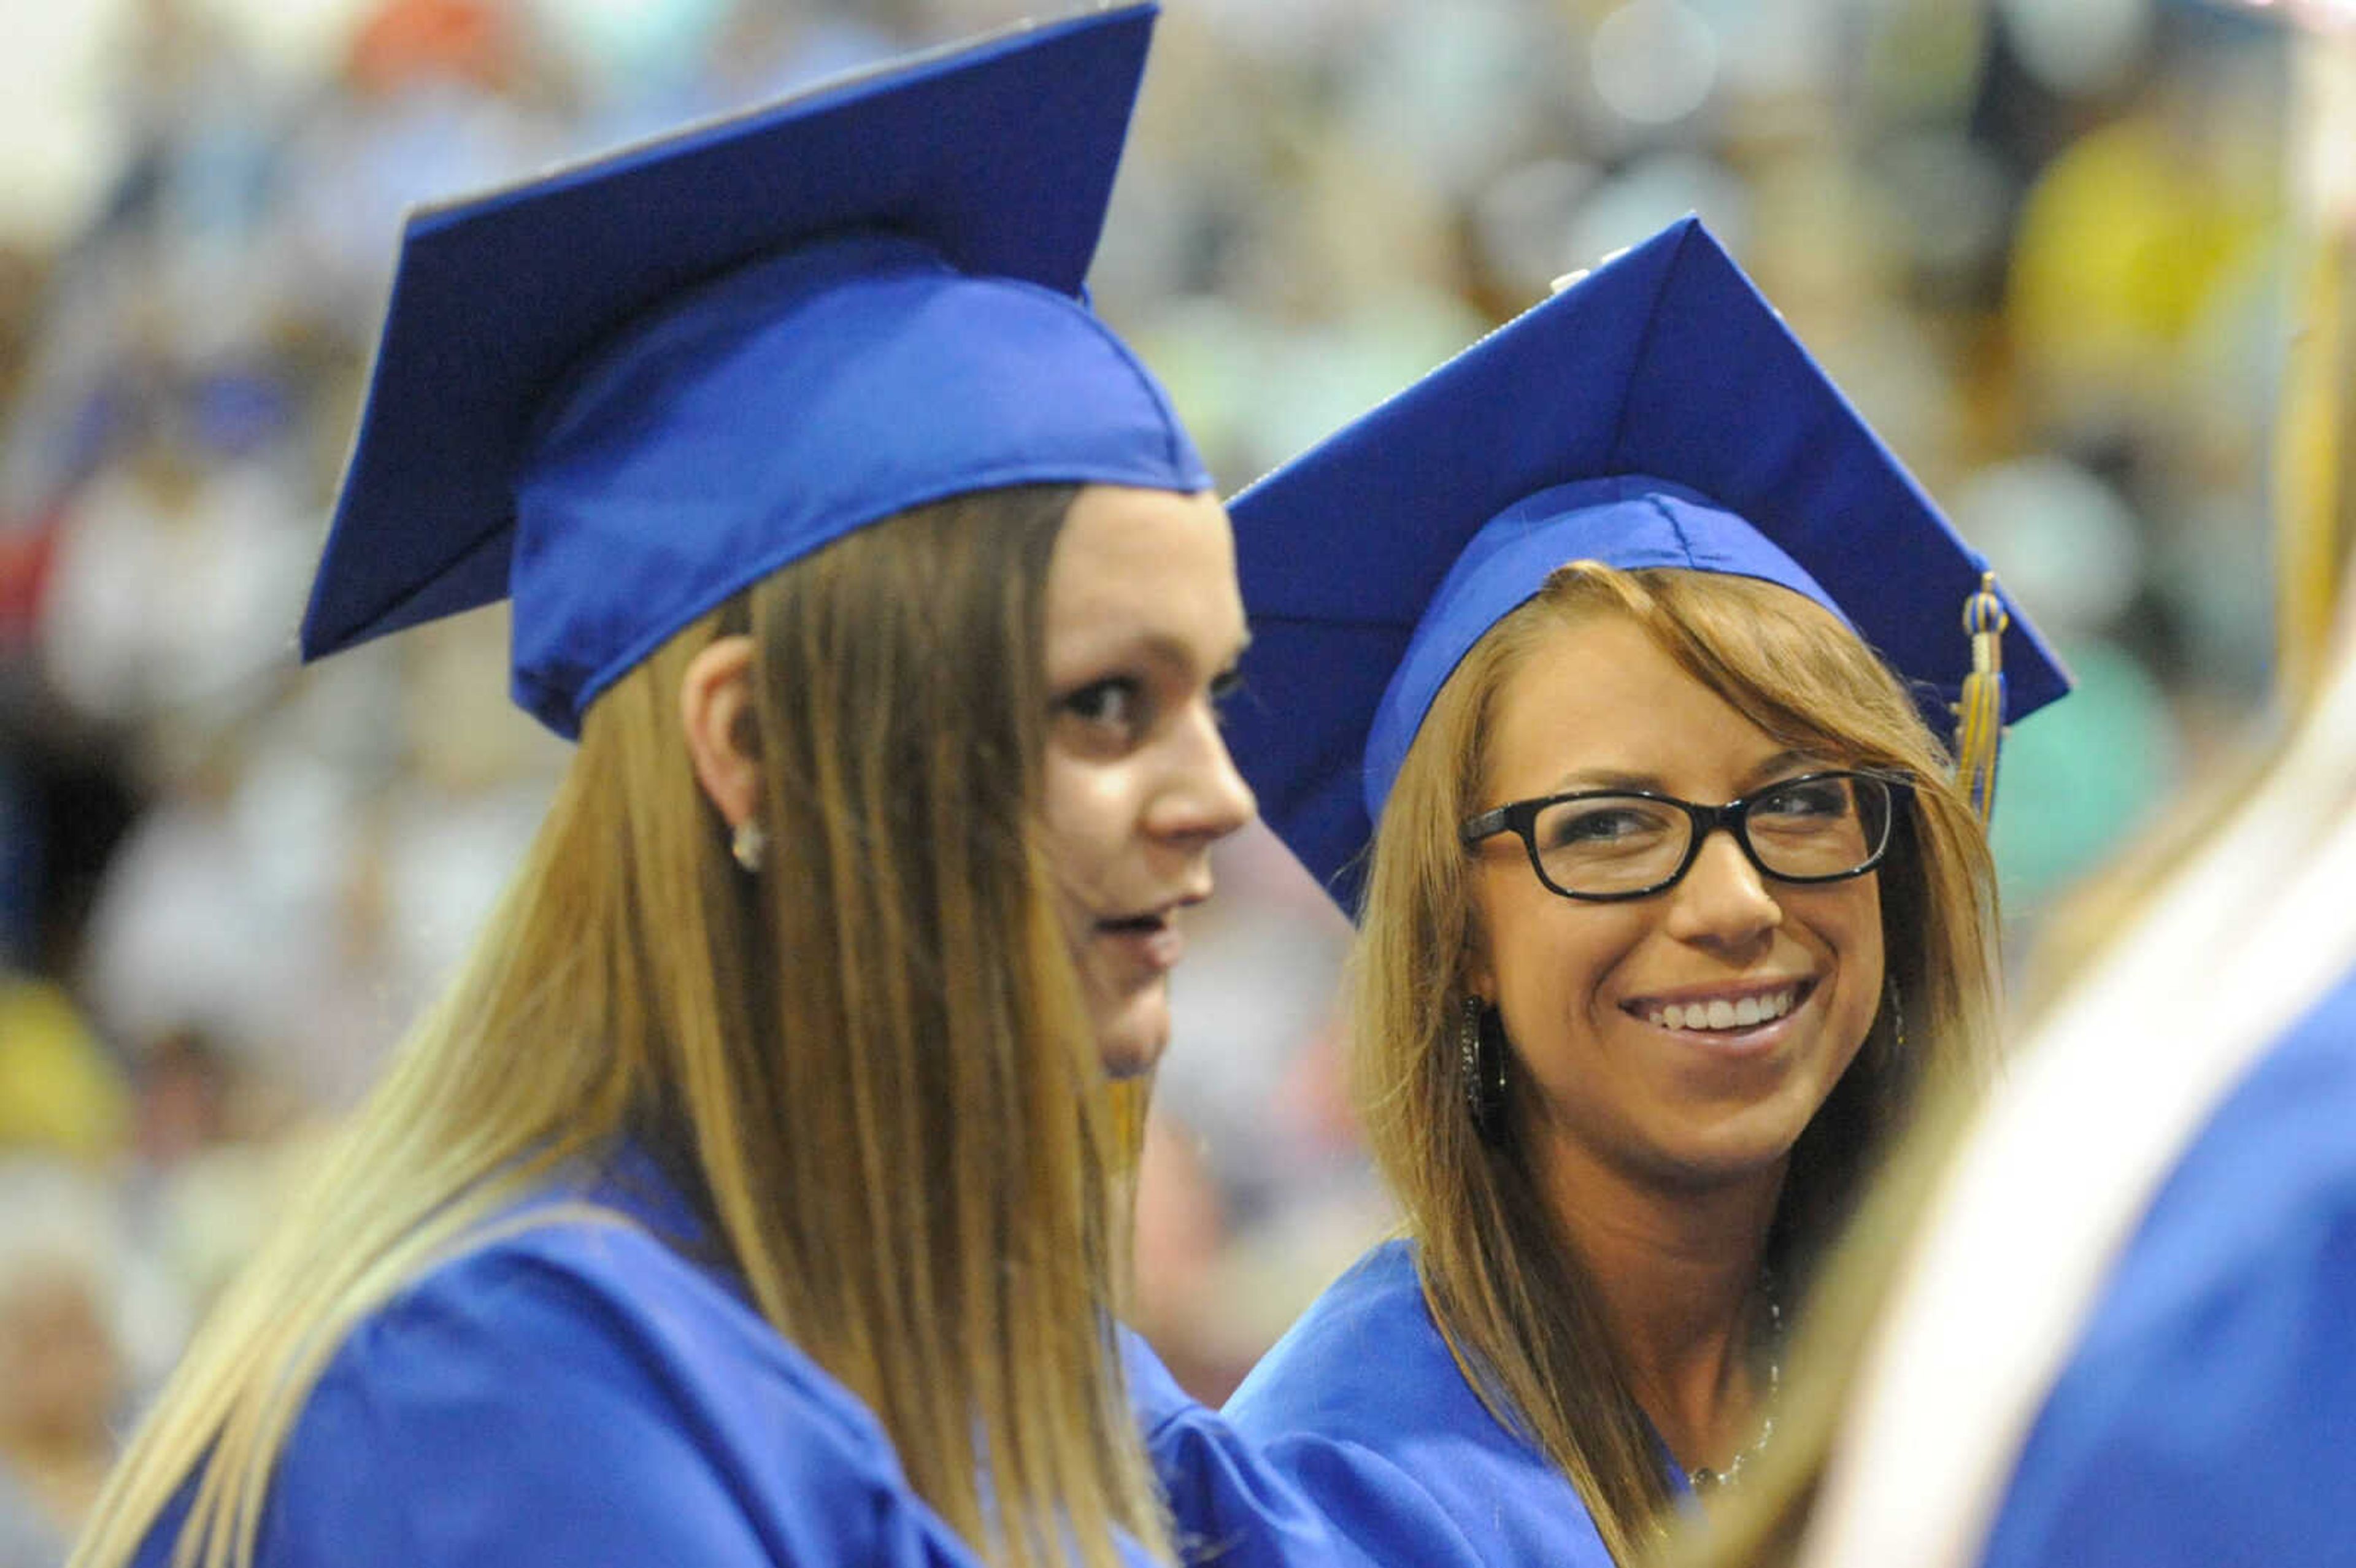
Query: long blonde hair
[[1506, 1287], [871, 1063]]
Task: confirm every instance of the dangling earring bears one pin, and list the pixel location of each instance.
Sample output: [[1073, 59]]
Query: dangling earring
[[1481, 1065], [1897, 1017], [748, 843]]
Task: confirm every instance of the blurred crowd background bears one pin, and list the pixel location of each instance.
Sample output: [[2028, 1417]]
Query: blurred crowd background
[[2041, 242]]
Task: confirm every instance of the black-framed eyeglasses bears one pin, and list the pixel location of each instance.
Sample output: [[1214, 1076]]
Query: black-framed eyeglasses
[[1608, 845]]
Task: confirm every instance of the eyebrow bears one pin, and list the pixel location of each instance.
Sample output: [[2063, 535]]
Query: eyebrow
[[1802, 758], [1602, 778], [1759, 772], [1163, 649]]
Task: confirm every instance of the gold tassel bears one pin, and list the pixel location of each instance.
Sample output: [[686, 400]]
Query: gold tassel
[[2315, 508], [1979, 717]]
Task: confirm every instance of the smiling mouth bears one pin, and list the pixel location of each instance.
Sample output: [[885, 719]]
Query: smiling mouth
[[1724, 1014]]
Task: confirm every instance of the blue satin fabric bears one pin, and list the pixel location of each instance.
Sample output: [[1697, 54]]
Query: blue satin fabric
[[580, 1393], [1362, 1406], [583, 1392], [620, 391], [2207, 1415]]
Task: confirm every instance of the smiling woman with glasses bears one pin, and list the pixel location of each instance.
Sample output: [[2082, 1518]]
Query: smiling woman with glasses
[[1623, 733]]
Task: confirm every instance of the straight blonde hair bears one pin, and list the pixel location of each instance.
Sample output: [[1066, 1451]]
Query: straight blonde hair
[[1504, 1283], [871, 1063]]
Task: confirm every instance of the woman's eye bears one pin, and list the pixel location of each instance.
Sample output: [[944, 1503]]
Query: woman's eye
[[1225, 688], [1609, 824], [1115, 707], [1810, 798]]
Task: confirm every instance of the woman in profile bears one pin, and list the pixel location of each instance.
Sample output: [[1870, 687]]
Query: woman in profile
[[1626, 733], [745, 1200]]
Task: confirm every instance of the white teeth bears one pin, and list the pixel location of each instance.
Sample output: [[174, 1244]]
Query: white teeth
[[1722, 1014]]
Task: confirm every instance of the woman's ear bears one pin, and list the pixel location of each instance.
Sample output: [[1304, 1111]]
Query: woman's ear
[[715, 708]]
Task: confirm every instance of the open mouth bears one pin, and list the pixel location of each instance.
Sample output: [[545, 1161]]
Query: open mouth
[[1727, 1013], [1152, 941]]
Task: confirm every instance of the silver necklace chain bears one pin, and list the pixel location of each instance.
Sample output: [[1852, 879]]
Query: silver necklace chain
[[1704, 1479]]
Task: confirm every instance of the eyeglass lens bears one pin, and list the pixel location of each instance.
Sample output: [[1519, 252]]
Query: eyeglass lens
[[1810, 828]]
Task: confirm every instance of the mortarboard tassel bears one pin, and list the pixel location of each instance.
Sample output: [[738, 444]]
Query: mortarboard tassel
[[1979, 716]]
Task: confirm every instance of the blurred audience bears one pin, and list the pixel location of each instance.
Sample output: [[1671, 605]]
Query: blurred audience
[[61, 1362]]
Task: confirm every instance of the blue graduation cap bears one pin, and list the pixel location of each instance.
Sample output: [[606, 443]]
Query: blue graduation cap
[[1655, 412], [622, 391]]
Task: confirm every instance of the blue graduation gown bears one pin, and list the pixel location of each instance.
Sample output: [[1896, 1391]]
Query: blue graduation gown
[[581, 1394], [1362, 1406], [2207, 1413], [1233, 1508]]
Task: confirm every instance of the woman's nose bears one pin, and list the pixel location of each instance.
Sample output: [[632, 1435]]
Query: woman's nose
[[1723, 900], [1204, 796]]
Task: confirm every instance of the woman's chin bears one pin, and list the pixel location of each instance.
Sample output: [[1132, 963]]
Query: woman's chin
[[1132, 1031], [1738, 1152]]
